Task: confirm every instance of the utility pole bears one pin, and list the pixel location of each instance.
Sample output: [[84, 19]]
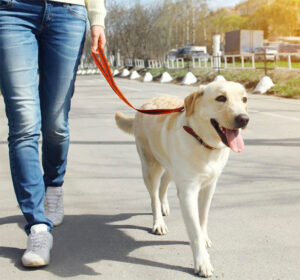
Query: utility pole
[[187, 22], [193, 23]]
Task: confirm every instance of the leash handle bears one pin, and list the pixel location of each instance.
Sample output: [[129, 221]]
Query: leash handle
[[102, 64]]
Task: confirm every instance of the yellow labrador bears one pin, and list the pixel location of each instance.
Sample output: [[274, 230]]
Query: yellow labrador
[[191, 149]]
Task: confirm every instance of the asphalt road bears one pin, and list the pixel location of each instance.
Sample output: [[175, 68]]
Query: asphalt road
[[254, 220]]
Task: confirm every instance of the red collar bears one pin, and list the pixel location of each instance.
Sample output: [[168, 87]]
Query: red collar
[[193, 133]]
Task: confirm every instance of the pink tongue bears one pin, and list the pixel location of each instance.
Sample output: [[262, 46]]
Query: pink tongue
[[235, 140]]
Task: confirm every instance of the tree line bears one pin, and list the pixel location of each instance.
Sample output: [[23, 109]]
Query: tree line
[[150, 31]]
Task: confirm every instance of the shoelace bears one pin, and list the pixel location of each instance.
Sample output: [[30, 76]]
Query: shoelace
[[52, 202], [39, 241]]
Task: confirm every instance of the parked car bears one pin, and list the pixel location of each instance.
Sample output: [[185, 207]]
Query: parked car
[[189, 51], [202, 56], [293, 49], [269, 52], [172, 54]]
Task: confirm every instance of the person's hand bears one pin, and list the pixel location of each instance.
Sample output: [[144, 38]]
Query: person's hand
[[98, 34]]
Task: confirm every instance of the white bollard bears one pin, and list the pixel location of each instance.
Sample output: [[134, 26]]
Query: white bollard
[[189, 79], [134, 75], [116, 72], [165, 78], [264, 85], [148, 77], [125, 73], [219, 78]]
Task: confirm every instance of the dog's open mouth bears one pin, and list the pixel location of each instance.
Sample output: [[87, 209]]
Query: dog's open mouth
[[230, 137]]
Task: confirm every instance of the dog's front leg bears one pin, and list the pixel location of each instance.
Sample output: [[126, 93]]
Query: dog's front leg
[[188, 197], [205, 196]]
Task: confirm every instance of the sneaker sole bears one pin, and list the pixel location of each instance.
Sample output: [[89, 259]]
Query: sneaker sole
[[35, 264], [57, 224]]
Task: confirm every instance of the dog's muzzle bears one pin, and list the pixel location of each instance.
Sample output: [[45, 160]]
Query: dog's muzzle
[[241, 121]]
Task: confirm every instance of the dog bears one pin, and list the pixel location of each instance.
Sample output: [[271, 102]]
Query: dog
[[191, 149]]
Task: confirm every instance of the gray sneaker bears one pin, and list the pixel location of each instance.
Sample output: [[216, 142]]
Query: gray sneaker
[[54, 205], [39, 244]]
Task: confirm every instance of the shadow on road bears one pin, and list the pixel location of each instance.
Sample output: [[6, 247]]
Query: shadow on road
[[85, 239], [290, 142]]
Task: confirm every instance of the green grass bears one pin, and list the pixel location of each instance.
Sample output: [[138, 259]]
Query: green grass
[[289, 89], [287, 83]]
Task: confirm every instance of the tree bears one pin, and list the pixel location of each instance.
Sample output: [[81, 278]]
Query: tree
[[280, 18]]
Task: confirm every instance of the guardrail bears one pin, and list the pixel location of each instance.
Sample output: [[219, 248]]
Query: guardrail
[[282, 61], [139, 63], [241, 58], [288, 56], [177, 63], [154, 64], [128, 62]]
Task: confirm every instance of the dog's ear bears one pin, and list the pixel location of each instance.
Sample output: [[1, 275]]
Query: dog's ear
[[189, 102]]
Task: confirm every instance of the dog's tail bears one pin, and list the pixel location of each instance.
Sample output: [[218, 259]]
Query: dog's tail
[[124, 122]]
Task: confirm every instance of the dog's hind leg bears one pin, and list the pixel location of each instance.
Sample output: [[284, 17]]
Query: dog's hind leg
[[205, 198], [163, 190], [152, 171]]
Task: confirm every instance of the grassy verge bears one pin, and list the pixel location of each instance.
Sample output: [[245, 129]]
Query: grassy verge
[[287, 83]]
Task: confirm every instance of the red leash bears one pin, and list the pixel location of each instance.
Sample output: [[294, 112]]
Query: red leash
[[102, 64]]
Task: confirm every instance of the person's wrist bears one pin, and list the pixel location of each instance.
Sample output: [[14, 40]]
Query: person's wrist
[[98, 35], [99, 25]]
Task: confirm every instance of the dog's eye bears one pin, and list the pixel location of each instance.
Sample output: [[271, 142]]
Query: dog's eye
[[221, 98], [245, 99]]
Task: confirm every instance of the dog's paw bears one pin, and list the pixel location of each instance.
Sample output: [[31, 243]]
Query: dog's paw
[[208, 242], [160, 228], [204, 268], [165, 208]]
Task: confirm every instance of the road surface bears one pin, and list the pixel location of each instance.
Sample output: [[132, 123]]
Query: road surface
[[254, 221]]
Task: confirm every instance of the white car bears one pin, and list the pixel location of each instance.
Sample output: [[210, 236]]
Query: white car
[[270, 52]]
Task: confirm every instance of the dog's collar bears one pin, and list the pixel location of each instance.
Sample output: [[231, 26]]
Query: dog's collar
[[193, 133]]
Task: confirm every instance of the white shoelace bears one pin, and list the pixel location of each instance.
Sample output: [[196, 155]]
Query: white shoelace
[[53, 200], [39, 241]]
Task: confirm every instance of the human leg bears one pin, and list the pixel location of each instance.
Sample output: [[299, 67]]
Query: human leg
[[19, 85]]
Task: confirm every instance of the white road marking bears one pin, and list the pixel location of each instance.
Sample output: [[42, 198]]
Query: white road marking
[[276, 115]]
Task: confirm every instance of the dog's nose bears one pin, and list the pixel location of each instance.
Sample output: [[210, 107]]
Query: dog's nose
[[242, 120]]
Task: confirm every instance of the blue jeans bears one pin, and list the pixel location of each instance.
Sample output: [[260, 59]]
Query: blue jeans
[[40, 47]]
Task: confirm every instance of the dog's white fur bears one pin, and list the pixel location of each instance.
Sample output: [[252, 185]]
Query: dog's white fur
[[168, 153]]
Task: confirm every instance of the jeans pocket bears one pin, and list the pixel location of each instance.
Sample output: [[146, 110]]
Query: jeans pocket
[[4, 4], [78, 11]]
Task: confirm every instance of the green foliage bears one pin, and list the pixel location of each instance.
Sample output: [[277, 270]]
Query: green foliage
[[225, 23], [151, 31], [289, 88], [278, 18]]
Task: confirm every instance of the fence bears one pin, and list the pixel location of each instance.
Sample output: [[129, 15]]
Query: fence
[[139, 63], [282, 61], [175, 63], [128, 62], [154, 63]]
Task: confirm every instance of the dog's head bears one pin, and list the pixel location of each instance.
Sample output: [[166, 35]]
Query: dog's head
[[218, 112]]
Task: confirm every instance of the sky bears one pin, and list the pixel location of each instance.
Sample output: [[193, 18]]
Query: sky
[[213, 4]]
